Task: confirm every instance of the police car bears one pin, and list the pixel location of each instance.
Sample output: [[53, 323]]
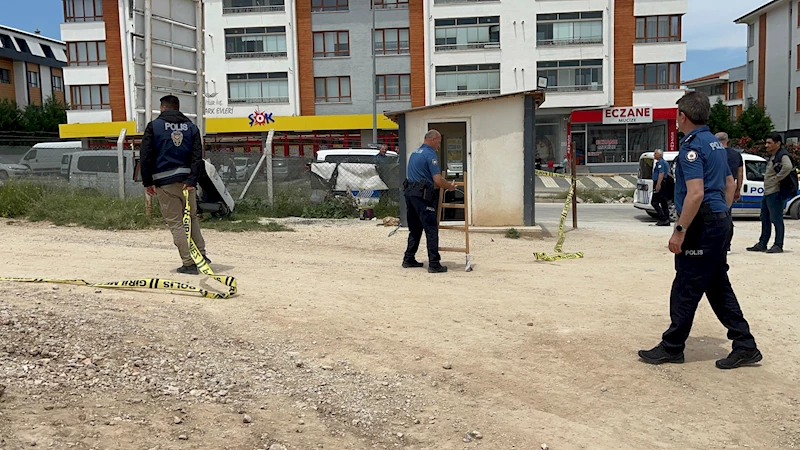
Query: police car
[[748, 205]]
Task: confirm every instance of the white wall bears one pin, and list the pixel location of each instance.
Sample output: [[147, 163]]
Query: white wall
[[89, 116], [659, 52], [777, 93], [576, 99], [518, 54], [496, 165], [83, 76], [660, 7], [657, 99], [218, 68], [83, 31], [21, 83]]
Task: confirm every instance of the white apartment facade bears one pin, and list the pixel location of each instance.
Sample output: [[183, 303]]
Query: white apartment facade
[[727, 86]]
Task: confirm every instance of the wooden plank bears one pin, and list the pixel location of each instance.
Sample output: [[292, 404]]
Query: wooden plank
[[452, 227], [452, 249], [452, 206]]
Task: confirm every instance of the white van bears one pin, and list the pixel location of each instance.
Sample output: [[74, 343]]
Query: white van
[[46, 157], [749, 203], [98, 169]]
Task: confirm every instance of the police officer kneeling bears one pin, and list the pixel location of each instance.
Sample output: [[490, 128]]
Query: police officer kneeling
[[704, 191], [420, 192]]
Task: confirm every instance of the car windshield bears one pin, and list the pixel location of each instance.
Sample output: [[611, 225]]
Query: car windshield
[[755, 170], [646, 169]]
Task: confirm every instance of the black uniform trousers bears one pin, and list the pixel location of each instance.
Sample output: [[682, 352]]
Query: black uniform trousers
[[702, 268], [421, 216], [659, 202]]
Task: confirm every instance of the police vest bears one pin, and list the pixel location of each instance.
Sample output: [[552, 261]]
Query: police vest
[[172, 142]]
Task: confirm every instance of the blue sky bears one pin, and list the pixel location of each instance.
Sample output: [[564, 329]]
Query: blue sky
[[715, 43]]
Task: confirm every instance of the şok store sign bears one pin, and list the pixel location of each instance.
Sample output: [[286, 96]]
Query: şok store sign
[[620, 135]]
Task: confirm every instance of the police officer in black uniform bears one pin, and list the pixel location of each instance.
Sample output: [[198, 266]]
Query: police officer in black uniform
[[422, 179], [704, 191]]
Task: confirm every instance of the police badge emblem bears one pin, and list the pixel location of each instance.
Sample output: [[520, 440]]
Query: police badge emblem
[[691, 156], [177, 138]]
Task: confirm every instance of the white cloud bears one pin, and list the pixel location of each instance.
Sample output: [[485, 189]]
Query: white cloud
[[709, 23]]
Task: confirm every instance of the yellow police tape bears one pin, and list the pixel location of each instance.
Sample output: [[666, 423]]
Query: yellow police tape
[[559, 254], [157, 283]]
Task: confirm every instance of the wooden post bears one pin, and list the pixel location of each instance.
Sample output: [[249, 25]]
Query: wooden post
[[572, 168]]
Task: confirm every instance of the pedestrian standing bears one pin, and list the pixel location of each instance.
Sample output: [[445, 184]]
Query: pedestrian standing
[[422, 179], [659, 199], [736, 165], [704, 190], [779, 166], [172, 160]]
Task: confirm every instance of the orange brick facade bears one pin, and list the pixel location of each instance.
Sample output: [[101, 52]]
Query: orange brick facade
[[116, 78], [624, 38], [7, 91], [305, 58], [34, 93], [416, 19]]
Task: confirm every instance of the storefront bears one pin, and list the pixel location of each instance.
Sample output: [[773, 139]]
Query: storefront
[[615, 138]]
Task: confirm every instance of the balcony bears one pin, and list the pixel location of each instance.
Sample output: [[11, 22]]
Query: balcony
[[582, 88], [463, 47], [272, 100], [254, 55], [253, 9], [467, 93], [569, 41]]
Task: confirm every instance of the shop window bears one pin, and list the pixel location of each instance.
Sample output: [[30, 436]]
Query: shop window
[[606, 144], [646, 138], [468, 80], [467, 33], [548, 141], [569, 28]]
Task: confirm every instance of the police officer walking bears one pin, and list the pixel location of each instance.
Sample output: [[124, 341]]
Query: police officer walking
[[659, 200], [736, 165], [172, 160], [704, 191], [422, 179]]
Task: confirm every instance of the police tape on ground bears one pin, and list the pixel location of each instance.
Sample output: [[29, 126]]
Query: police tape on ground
[[558, 252], [158, 283]]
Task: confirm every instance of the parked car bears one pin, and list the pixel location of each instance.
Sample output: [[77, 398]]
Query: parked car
[[99, 169], [238, 168], [8, 171], [749, 203], [46, 157]]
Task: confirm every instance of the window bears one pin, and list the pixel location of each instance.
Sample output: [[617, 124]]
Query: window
[[470, 80], [259, 42], [733, 91], [657, 76], [58, 83], [23, 45], [329, 44], [48, 52], [394, 87], [30, 155], [90, 97], [750, 71], [329, 5], [734, 112], [712, 90], [5, 42], [332, 90], [5, 76], [751, 35], [390, 4], [33, 79], [86, 53], [83, 10], [252, 6], [658, 29], [467, 33], [755, 170], [258, 87], [797, 100], [569, 28], [391, 41], [571, 76], [102, 164]]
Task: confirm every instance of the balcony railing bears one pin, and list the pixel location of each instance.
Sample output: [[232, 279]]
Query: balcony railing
[[460, 47], [260, 100], [451, 2], [245, 55], [392, 6], [581, 88], [468, 93], [570, 41], [253, 9]]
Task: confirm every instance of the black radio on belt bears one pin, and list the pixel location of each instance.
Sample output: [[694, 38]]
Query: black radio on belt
[[420, 189]]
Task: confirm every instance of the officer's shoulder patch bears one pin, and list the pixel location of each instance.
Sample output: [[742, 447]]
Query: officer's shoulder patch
[[691, 156], [434, 162]]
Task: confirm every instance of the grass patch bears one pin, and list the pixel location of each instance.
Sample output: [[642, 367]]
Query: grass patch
[[386, 207], [512, 233]]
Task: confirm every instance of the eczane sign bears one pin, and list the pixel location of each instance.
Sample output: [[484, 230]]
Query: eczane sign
[[633, 114]]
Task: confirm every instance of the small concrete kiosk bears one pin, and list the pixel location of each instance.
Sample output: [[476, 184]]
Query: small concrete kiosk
[[489, 138]]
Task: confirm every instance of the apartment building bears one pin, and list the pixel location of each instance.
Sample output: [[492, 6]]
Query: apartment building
[[773, 63], [727, 86], [31, 67], [305, 67]]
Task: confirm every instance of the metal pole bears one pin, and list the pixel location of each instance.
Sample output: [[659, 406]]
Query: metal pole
[[121, 162], [200, 63], [374, 82], [148, 62]]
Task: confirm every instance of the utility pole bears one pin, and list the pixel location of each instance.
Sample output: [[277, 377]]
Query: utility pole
[[374, 81]]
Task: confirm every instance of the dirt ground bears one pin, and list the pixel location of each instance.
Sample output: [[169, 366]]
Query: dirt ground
[[331, 344]]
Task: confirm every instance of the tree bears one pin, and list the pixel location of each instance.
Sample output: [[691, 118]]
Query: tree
[[754, 123], [720, 119], [45, 118], [10, 116]]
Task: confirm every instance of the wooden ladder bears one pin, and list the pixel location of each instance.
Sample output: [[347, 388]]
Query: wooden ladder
[[465, 227]]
